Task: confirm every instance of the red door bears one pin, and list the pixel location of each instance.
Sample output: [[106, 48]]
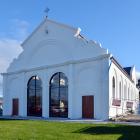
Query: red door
[[15, 107], [88, 107]]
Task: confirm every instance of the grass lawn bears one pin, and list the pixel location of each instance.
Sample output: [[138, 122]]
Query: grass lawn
[[43, 130]]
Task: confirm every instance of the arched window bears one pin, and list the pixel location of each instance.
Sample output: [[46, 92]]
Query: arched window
[[34, 97], [59, 95], [125, 93], [120, 90], [131, 94], [128, 97], [113, 87]]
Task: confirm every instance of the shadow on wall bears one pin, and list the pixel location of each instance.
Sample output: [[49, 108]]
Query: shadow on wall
[[126, 132]]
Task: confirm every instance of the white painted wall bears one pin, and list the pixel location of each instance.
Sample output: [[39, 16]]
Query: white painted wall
[[85, 78], [58, 46], [131, 93], [85, 63]]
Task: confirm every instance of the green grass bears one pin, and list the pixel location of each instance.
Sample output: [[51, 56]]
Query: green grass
[[43, 130]]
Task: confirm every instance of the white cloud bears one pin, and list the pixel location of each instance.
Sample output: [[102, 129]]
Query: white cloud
[[9, 49], [10, 46]]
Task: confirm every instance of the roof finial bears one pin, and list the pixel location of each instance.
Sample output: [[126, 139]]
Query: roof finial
[[47, 11]]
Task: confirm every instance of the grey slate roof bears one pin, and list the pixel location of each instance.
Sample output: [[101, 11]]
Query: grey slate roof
[[127, 69]]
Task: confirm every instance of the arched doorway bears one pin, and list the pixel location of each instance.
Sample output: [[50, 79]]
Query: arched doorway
[[34, 96], [58, 95]]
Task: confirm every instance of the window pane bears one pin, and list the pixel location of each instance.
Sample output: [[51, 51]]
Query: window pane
[[64, 94], [59, 96], [34, 101], [54, 96], [55, 80], [31, 83], [38, 83], [63, 101], [63, 80]]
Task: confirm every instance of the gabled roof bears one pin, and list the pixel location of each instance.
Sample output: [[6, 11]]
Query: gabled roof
[[63, 41], [121, 68], [43, 22]]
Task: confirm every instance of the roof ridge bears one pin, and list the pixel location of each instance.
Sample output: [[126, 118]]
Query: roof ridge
[[45, 20]]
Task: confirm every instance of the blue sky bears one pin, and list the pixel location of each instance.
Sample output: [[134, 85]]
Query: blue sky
[[113, 23]]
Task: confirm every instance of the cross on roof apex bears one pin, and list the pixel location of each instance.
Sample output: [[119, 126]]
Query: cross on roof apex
[[47, 11]]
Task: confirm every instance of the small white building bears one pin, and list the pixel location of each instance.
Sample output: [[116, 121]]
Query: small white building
[[61, 74]]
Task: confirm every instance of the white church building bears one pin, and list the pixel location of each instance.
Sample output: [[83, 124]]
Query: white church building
[[62, 74]]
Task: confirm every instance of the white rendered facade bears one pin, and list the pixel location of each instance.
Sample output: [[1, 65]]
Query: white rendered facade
[[54, 47], [125, 90]]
